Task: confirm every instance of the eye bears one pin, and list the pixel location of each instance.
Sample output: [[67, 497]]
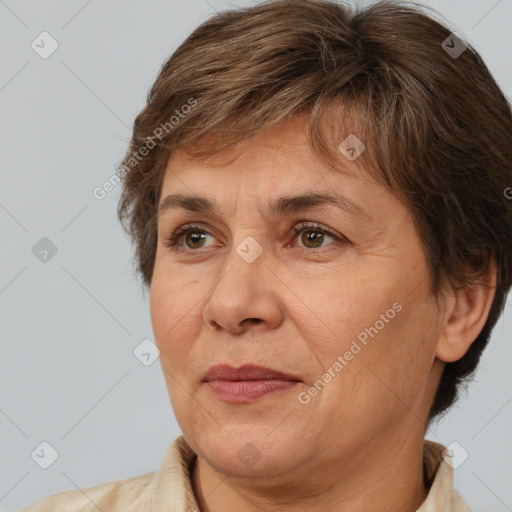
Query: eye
[[194, 238], [313, 237]]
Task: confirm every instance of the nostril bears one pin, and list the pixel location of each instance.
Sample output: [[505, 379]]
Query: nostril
[[253, 320]]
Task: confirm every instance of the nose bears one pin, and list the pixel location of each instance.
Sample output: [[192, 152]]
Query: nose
[[245, 297]]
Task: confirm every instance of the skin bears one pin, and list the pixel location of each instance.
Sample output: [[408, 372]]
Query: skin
[[299, 305]]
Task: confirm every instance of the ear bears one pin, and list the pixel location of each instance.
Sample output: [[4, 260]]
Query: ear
[[466, 312]]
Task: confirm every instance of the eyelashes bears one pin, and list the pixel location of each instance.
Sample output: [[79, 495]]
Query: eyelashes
[[173, 240]]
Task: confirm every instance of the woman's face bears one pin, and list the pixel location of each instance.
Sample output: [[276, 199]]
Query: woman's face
[[342, 305]]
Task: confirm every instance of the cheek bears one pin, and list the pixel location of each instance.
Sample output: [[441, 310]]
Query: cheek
[[176, 317], [386, 344], [343, 311], [400, 358]]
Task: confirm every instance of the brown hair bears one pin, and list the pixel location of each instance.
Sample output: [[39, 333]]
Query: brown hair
[[436, 126]]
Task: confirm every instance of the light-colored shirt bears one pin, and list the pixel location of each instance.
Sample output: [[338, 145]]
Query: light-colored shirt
[[170, 488]]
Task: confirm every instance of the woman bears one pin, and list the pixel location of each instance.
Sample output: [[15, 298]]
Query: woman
[[318, 202]]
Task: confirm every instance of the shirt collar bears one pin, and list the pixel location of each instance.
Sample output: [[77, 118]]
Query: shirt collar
[[173, 492], [438, 476]]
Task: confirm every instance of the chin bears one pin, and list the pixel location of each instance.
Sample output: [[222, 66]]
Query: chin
[[247, 451]]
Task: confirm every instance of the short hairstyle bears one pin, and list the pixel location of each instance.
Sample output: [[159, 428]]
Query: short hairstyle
[[436, 126]]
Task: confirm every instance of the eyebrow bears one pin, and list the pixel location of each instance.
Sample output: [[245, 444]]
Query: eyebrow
[[281, 206]]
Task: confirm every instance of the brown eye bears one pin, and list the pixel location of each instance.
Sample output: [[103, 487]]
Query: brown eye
[[194, 239], [312, 238]]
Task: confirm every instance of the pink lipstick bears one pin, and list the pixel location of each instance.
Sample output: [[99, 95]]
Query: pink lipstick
[[247, 383]]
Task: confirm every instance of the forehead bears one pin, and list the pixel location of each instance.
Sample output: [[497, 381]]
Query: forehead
[[279, 153]]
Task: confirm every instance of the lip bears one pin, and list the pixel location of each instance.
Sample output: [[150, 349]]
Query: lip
[[246, 372], [247, 383]]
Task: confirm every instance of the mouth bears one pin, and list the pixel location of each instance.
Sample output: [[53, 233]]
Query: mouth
[[247, 383]]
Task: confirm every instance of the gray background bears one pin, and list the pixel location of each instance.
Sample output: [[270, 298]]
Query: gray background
[[69, 326]]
